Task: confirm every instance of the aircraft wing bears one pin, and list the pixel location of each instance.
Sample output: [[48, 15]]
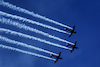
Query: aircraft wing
[[56, 60], [73, 27], [70, 35], [65, 29], [59, 54], [75, 43], [71, 50]]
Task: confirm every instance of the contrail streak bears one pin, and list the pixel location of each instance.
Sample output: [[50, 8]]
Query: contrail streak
[[29, 37], [31, 21], [25, 52], [23, 26], [11, 6], [24, 45]]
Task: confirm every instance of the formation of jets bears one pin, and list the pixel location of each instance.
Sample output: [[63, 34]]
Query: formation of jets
[[67, 45]]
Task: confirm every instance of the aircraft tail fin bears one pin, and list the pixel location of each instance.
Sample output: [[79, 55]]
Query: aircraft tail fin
[[67, 45], [51, 55], [66, 28]]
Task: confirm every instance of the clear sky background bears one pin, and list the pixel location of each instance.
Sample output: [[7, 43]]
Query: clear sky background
[[84, 14]]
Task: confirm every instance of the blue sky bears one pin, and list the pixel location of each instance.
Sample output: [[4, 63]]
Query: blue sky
[[85, 15]]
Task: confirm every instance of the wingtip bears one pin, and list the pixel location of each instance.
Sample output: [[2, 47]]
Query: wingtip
[[69, 35], [75, 42]]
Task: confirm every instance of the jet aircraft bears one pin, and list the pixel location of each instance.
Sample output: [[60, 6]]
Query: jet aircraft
[[73, 46], [72, 31], [57, 57]]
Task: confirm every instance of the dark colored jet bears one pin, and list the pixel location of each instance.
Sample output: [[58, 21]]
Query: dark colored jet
[[72, 31], [73, 46], [57, 57]]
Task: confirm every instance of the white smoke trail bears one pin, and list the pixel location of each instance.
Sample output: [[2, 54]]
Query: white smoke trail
[[31, 21], [29, 37], [11, 6], [25, 52], [24, 45], [23, 26]]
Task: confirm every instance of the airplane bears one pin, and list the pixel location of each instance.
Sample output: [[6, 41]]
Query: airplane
[[72, 31], [73, 47], [57, 57]]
